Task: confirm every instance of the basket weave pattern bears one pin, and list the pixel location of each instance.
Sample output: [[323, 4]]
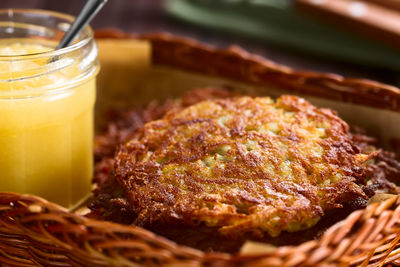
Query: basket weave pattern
[[239, 65], [35, 232]]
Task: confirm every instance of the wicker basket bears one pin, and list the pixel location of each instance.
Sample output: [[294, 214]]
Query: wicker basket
[[35, 232]]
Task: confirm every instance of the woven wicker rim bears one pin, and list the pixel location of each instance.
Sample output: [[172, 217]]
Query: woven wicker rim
[[237, 64], [34, 231]]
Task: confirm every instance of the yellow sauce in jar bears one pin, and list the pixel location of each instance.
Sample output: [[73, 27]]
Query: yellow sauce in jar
[[46, 123]]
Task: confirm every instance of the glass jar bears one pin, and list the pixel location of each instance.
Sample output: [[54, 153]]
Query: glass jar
[[47, 100]]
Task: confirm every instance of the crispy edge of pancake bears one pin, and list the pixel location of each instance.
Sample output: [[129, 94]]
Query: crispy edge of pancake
[[171, 172], [109, 203]]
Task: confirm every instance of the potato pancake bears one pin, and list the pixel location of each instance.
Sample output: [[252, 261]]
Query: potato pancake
[[242, 165]]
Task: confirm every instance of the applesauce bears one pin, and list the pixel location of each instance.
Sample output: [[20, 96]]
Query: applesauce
[[46, 108]]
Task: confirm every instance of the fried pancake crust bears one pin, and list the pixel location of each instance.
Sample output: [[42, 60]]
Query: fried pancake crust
[[241, 164]]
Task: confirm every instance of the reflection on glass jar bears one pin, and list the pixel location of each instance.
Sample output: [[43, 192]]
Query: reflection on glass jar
[[46, 106]]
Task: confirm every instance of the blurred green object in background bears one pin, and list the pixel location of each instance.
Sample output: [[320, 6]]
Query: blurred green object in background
[[276, 22]]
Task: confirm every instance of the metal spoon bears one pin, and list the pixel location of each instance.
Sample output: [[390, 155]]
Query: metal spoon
[[85, 16]]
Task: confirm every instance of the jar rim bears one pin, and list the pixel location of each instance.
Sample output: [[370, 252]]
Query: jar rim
[[88, 36], [80, 57]]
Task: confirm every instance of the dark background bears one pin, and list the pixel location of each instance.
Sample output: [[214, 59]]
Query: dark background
[[148, 16]]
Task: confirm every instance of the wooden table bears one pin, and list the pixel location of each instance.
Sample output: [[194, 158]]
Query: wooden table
[[148, 16]]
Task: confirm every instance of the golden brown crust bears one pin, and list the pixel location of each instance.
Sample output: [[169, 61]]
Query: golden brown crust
[[110, 204], [122, 124], [222, 163], [237, 64]]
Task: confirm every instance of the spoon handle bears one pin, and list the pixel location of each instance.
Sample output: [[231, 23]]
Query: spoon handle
[[88, 12]]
